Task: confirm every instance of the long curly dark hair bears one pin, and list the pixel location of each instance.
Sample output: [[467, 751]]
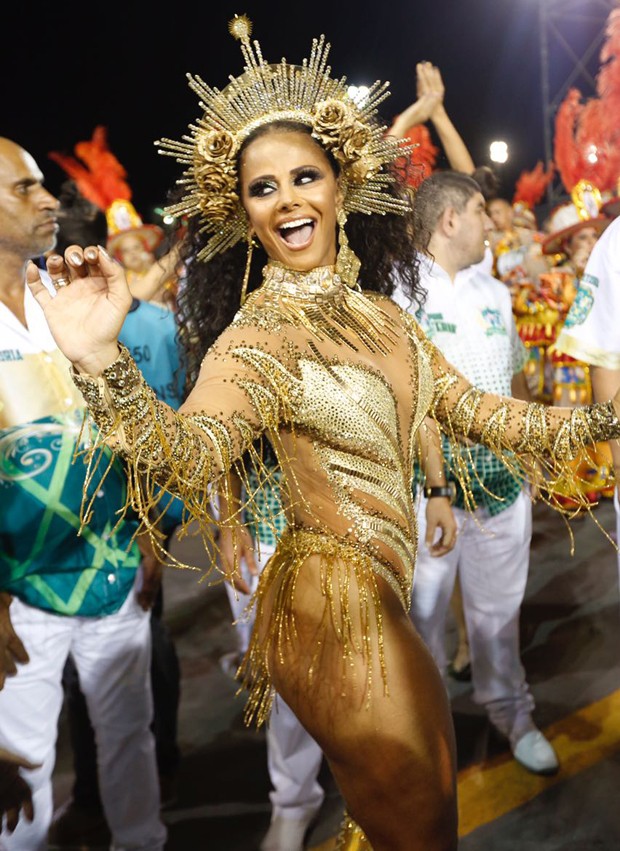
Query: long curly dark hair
[[210, 293]]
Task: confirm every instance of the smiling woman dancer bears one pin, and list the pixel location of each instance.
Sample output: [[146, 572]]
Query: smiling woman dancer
[[340, 380]]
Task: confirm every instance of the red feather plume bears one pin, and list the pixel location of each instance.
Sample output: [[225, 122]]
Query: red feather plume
[[608, 77], [421, 161], [583, 149], [587, 133], [531, 185], [99, 176]]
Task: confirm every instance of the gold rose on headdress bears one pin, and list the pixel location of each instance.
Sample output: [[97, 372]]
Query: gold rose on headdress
[[215, 175], [335, 126], [329, 119], [354, 140], [362, 170], [215, 146], [217, 189]]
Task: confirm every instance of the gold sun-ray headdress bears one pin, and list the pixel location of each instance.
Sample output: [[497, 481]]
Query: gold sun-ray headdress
[[264, 93]]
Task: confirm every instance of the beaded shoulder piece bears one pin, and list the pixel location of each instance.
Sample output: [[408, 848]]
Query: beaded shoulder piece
[[325, 306]]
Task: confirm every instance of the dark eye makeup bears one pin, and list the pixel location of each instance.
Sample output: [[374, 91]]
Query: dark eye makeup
[[308, 174], [262, 187]]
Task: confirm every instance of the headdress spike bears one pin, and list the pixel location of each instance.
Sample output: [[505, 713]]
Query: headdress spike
[[240, 28]]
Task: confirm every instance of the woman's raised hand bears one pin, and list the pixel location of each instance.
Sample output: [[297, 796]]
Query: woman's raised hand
[[430, 85], [89, 304]]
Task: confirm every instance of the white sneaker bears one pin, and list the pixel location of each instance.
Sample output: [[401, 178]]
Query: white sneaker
[[535, 753], [285, 834]]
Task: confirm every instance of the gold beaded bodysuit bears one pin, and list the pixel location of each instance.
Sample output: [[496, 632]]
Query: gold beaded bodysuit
[[340, 381]]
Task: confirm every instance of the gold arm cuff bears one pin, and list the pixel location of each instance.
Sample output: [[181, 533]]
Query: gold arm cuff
[[121, 378], [587, 425]]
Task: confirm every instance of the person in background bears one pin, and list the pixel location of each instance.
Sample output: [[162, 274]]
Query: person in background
[[468, 316], [429, 106], [589, 332], [101, 180], [72, 595], [410, 124], [575, 227], [573, 230], [516, 248], [151, 277]]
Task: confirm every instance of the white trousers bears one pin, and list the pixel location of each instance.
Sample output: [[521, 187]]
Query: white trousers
[[491, 555], [293, 757], [112, 656]]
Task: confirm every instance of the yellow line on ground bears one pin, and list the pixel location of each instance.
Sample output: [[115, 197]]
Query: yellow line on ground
[[490, 790], [329, 845]]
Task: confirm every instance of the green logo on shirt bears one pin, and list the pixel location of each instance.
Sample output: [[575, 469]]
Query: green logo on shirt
[[493, 322], [437, 325], [589, 279]]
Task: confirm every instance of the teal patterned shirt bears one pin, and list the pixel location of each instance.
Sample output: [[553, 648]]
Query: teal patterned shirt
[[43, 561]]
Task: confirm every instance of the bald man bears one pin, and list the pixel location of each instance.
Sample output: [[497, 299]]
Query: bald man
[[71, 594]]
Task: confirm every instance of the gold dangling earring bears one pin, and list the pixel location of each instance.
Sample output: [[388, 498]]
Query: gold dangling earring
[[248, 263], [347, 261]]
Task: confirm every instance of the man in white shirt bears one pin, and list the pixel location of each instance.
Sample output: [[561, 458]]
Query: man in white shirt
[[591, 332], [468, 315], [71, 594]]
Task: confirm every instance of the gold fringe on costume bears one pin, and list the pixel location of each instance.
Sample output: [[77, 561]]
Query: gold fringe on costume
[[535, 442], [343, 563]]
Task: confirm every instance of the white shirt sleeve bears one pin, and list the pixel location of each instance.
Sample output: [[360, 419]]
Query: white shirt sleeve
[[591, 332]]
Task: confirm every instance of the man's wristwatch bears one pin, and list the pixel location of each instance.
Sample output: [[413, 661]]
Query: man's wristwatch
[[448, 491]]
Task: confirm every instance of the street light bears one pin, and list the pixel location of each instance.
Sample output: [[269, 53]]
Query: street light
[[498, 151], [359, 94]]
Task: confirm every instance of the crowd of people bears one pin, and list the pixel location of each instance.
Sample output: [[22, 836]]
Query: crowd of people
[[360, 370]]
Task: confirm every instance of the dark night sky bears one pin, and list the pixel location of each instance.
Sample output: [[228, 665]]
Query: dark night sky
[[67, 69]]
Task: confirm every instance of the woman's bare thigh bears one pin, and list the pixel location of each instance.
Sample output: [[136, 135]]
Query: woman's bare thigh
[[391, 750]]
